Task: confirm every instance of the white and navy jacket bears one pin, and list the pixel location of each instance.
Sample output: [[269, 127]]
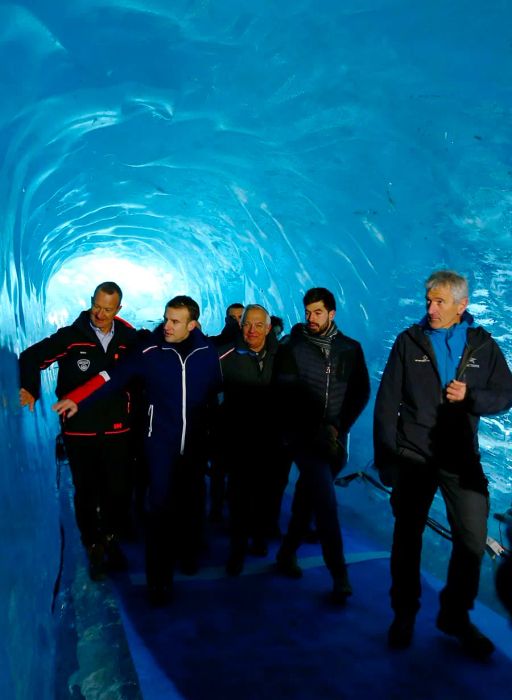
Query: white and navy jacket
[[180, 388]]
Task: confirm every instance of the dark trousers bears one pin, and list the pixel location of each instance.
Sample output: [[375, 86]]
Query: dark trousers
[[247, 499], [277, 483], [414, 489], [315, 495], [102, 471], [175, 518], [217, 485]]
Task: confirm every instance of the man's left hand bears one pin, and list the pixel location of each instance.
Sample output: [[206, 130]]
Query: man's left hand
[[456, 391]]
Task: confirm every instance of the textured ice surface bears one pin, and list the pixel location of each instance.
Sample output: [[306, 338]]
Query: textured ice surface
[[236, 151]]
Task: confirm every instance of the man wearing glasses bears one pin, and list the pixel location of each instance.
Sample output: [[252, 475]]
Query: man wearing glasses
[[97, 440]]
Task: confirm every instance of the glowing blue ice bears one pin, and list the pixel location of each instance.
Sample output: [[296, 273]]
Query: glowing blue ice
[[236, 151]]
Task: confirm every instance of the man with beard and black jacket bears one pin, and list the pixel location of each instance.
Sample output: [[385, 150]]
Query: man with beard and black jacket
[[247, 435], [179, 370], [322, 377], [442, 374], [98, 440]]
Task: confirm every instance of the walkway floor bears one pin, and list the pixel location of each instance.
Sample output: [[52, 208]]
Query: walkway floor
[[264, 637]]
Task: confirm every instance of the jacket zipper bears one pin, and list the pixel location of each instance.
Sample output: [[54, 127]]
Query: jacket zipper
[[150, 414], [465, 358], [428, 348], [327, 386], [184, 394]]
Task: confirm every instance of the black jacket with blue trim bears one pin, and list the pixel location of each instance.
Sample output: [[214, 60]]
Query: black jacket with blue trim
[[413, 421]]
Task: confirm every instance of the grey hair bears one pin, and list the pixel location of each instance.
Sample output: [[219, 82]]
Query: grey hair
[[250, 307], [457, 283]]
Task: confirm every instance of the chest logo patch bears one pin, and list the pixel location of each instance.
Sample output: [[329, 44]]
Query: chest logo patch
[[83, 365], [422, 359], [473, 363]]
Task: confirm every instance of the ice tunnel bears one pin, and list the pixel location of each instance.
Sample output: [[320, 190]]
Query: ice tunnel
[[236, 151]]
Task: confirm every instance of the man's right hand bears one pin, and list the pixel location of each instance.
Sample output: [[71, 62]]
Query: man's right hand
[[65, 408], [26, 399]]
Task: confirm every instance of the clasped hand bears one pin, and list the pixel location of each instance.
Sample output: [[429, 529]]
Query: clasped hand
[[456, 391]]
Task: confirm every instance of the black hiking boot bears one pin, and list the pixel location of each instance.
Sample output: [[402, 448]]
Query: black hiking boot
[[473, 642], [401, 631]]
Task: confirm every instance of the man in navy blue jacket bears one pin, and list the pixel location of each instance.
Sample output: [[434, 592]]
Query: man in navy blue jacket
[[441, 376], [180, 372]]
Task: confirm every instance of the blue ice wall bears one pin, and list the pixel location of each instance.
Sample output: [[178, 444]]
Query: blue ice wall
[[246, 151]]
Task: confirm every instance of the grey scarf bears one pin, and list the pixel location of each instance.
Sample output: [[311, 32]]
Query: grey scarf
[[322, 341]]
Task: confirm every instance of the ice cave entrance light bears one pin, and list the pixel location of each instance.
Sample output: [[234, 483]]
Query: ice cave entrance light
[[146, 283]]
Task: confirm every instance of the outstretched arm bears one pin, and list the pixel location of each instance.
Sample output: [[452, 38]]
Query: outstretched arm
[[97, 387], [39, 357]]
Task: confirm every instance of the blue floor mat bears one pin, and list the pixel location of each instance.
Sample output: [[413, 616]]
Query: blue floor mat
[[261, 636]]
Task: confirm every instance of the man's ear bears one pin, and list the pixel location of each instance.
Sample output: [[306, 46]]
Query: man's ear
[[463, 305], [332, 314]]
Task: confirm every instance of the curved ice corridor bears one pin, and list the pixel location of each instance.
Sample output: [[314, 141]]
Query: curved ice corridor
[[236, 150]]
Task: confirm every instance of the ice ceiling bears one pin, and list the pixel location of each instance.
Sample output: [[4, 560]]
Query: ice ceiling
[[244, 151]]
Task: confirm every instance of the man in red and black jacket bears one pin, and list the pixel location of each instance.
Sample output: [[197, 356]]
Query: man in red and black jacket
[[97, 440]]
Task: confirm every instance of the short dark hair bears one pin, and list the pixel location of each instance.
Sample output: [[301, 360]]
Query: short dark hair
[[320, 294], [184, 302], [109, 288], [277, 321], [235, 305]]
